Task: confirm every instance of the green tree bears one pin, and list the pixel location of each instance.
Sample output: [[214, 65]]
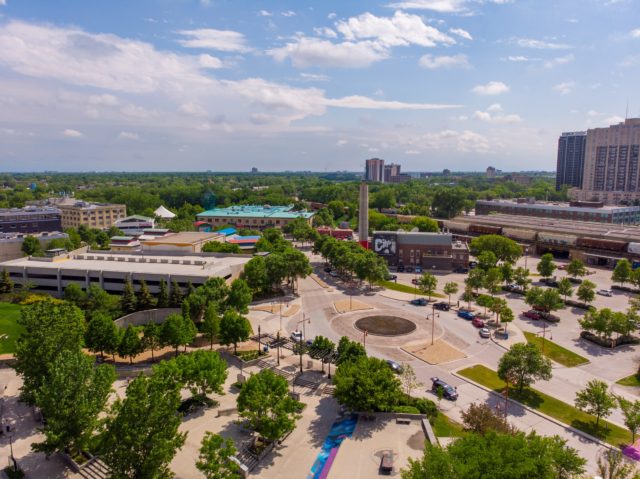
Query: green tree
[[211, 323], [74, 294], [565, 289], [31, 246], [255, 274], [214, 461], [622, 272], [631, 413], [172, 332], [586, 292], [428, 284], [219, 247], [240, 296], [487, 260], [145, 298], [321, 348], [523, 364], [507, 272], [151, 338], [499, 456], [130, 344], [521, 277], [448, 202], [596, 399], [102, 335], [366, 384], [546, 266], [505, 250], [507, 316], [203, 372], [349, 351], [163, 295], [475, 279], [141, 437], [175, 295], [612, 464], [128, 302], [576, 269], [450, 288], [6, 285], [265, 403], [234, 328], [484, 301], [409, 379], [481, 418], [546, 299], [71, 398], [425, 224], [50, 328], [492, 281]]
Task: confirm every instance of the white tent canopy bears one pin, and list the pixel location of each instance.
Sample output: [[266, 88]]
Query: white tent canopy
[[162, 212]]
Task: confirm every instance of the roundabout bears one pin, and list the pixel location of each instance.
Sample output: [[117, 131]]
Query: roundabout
[[382, 325]]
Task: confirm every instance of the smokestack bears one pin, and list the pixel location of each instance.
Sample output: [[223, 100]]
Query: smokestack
[[363, 215]]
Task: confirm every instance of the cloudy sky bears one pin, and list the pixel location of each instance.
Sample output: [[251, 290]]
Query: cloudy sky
[[226, 85]]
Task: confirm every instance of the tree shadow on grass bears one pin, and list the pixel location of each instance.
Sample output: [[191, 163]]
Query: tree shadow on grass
[[601, 432]]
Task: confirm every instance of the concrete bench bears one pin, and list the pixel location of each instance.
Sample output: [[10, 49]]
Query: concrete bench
[[403, 420]]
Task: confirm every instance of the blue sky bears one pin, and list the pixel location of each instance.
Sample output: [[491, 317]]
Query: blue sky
[[226, 85]]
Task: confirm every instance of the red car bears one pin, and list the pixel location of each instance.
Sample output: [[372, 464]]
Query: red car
[[477, 322], [531, 314], [415, 281]]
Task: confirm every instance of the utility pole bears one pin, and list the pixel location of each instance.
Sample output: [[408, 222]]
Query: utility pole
[[433, 321], [278, 347]]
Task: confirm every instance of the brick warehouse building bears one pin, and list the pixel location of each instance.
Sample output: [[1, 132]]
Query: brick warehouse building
[[432, 251]]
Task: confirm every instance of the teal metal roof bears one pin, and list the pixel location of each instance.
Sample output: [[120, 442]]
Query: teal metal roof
[[255, 211]]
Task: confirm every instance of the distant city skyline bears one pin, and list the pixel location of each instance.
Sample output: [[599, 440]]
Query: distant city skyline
[[196, 85]]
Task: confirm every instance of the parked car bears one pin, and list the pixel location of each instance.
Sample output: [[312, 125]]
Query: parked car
[[484, 333], [460, 269], [552, 283], [419, 302], [395, 367], [442, 306], [327, 269], [605, 292], [477, 322], [448, 392], [297, 336], [409, 269], [392, 277], [469, 316], [400, 268], [473, 264], [418, 269], [552, 318], [531, 314], [415, 281]]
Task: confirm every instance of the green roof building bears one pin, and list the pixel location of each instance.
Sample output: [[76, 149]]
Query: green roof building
[[253, 216]]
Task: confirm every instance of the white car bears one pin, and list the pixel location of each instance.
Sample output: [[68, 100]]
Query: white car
[[297, 336], [484, 333], [605, 292]]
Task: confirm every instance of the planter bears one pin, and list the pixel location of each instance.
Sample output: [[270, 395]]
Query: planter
[[609, 342], [628, 289], [76, 463]]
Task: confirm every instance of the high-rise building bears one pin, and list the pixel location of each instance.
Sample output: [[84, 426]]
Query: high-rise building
[[611, 164], [363, 215], [571, 150], [491, 172], [390, 171], [374, 170]]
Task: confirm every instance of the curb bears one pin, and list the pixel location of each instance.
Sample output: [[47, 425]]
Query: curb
[[580, 433]]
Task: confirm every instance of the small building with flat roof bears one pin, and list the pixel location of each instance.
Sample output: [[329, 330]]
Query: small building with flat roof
[[253, 216], [186, 242]]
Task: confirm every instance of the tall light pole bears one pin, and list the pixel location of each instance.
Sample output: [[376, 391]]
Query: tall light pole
[[278, 347], [433, 321], [526, 254], [304, 320]]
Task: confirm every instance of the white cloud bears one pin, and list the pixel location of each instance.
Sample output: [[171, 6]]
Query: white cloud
[[342, 142], [402, 29], [205, 3], [432, 62], [495, 107], [613, 120], [208, 61], [208, 38], [313, 52], [494, 114], [3, 2], [363, 102], [517, 58], [288, 13], [564, 88], [265, 13], [314, 77], [539, 44], [325, 32], [559, 61], [635, 33], [69, 133], [128, 135], [441, 6], [491, 88], [332, 15], [104, 100], [193, 109], [461, 33]]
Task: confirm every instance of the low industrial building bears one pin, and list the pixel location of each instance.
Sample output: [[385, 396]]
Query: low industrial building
[[430, 251], [597, 244], [253, 217], [31, 219], [11, 243], [185, 242], [110, 270], [135, 225], [575, 210]]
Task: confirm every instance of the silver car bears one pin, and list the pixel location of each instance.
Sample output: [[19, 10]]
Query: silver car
[[484, 333]]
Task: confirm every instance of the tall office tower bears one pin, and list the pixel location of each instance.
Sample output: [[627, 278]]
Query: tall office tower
[[363, 215], [611, 164], [390, 171], [571, 150], [374, 170]]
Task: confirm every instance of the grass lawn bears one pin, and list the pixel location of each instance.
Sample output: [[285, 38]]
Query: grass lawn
[[403, 288], [445, 427], [556, 352], [9, 314], [633, 380], [566, 413]]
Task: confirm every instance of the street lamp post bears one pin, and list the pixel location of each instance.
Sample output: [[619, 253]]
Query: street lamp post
[[433, 321], [304, 320], [526, 254], [259, 342], [278, 347], [364, 339]]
